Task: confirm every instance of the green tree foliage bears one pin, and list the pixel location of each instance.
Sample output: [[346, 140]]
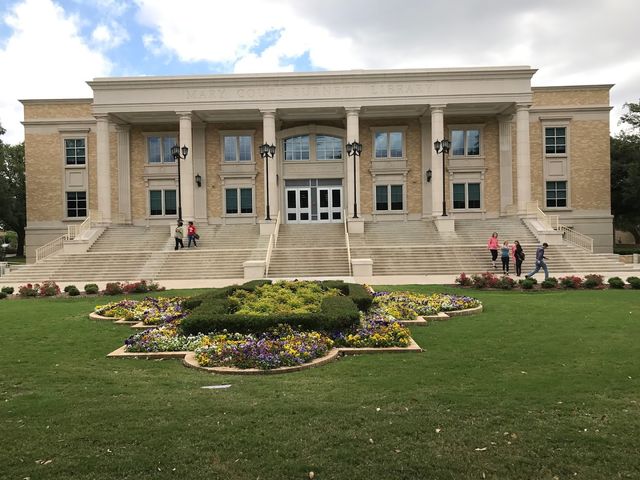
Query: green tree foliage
[[13, 195]]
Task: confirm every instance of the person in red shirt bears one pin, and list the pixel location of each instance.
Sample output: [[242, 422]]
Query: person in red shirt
[[191, 234], [492, 245]]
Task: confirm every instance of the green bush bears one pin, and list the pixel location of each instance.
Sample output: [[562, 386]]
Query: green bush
[[615, 282], [527, 283], [72, 291], [113, 288], [593, 280], [550, 282], [69, 287], [7, 290], [339, 285], [2, 295], [253, 284], [505, 283], [91, 288], [634, 282], [360, 296]]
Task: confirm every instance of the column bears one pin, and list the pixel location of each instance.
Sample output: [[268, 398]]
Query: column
[[437, 133], [523, 158], [124, 174], [427, 162], [269, 137], [187, 180], [506, 163], [353, 134], [103, 169]]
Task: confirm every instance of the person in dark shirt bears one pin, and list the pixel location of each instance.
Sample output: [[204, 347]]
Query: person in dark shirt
[[540, 258]]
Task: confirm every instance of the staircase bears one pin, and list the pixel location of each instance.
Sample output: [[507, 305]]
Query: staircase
[[133, 239], [310, 250]]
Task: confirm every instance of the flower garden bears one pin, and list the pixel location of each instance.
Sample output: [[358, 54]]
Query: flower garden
[[265, 326]]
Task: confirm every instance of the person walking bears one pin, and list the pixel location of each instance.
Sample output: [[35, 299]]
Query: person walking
[[492, 245], [518, 256], [540, 258], [505, 251], [191, 235], [178, 234]]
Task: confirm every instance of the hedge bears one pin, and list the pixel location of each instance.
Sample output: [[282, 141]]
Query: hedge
[[360, 296]]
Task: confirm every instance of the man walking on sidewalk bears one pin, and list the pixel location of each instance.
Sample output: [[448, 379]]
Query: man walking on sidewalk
[[540, 258]]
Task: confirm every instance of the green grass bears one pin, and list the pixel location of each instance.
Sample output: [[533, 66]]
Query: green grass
[[542, 385]]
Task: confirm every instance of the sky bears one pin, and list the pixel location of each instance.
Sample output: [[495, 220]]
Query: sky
[[51, 48]]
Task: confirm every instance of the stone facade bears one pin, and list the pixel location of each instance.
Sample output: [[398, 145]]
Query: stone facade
[[407, 102]]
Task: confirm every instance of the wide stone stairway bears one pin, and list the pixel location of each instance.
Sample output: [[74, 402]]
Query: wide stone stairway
[[310, 250]]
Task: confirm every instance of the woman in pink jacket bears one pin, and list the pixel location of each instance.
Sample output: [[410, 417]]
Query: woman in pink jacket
[[493, 246]]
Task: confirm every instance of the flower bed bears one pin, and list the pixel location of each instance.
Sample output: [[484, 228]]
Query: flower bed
[[150, 311], [375, 332], [408, 306], [163, 339]]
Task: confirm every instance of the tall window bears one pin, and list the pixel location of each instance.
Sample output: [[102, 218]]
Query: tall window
[[237, 148], [75, 151], [557, 194], [466, 195], [555, 140], [465, 142], [162, 202], [238, 201], [159, 148], [388, 144], [76, 204], [296, 148], [389, 197], [328, 148]]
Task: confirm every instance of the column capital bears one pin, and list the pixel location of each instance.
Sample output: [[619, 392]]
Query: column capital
[[123, 127], [104, 117], [268, 112], [505, 118], [523, 106], [352, 111], [185, 114], [438, 107]]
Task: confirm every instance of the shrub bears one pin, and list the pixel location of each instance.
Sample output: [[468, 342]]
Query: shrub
[[91, 289], [571, 282], [2, 295], [28, 290], [593, 281], [7, 290], [339, 285], [463, 280], [49, 288], [155, 287], [616, 282], [485, 280], [73, 291], [550, 282], [113, 288], [360, 296], [253, 284], [527, 283], [505, 283], [69, 287], [134, 287], [634, 282]]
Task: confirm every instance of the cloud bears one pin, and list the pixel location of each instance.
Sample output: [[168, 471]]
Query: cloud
[[44, 57], [109, 36]]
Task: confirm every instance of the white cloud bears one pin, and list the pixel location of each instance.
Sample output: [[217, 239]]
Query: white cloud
[[44, 57], [109, 36]]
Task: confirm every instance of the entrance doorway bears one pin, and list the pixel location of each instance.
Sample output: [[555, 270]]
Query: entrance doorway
[[313, 201]]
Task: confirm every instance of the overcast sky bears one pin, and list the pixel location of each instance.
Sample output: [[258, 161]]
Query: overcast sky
[[50, 48]]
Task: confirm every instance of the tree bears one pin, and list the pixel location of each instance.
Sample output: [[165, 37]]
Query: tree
[[13, 195], [625, 173]]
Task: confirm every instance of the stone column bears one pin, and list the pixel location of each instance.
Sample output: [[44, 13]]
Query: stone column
[[353, 134], [437, 133], [124, 173], [187, 180], [269, 137], [506, 163], [523, 158], [103, 169]]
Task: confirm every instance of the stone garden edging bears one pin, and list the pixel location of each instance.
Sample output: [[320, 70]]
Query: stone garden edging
[[424, 321]]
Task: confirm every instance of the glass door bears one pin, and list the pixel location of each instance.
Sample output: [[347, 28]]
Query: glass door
[[329, 204], [298, 205]]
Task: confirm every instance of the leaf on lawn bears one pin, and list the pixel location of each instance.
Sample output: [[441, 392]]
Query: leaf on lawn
[[481, 449], [371, 440], [438, 430]]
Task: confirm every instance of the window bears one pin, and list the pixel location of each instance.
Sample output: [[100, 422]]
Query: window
[[466, 195], [159, 148], [556, 194], [239, 201], [162, 202], [555, 140], [296, 148], [465, 142], [328, 148], [388, 144], [237, 148], [76, 204], [74, 151], [389, 197]]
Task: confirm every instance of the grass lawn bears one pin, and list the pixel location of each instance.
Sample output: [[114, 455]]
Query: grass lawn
[[543, 385]]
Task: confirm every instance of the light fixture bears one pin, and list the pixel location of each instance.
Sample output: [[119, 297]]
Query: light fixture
[[443, 146], [354, 149], [429, 175], [267, 151], [175, 152], [198, 180]]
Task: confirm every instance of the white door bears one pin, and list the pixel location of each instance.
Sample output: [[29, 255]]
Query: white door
[[330, 204], [298, 205]]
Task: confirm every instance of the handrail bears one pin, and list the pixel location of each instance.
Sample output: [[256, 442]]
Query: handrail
[[273, 239], [50, 248], [346, 237], [576, 238], [549, 221], [75, 231]]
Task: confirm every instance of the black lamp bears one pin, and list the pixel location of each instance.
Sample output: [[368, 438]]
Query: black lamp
[[198, 180], [354, 149], [267, 151], [442, 146], [429, 175], [175, 152]]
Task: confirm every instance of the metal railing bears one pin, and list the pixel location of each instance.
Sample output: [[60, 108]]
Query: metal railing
[[75, 231], [551, 222], [346, 237], [576, 238], [273, 240], [54, 246]]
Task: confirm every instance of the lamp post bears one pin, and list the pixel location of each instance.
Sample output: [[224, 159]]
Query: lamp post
[[443, 146], [175, 152], [354, 149], [267, 151]]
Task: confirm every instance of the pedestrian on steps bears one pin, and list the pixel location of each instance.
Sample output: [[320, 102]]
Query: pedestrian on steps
[[191, 235], [518, 256], [540, 258], [178, 234], [492, 245], [505, 251]]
